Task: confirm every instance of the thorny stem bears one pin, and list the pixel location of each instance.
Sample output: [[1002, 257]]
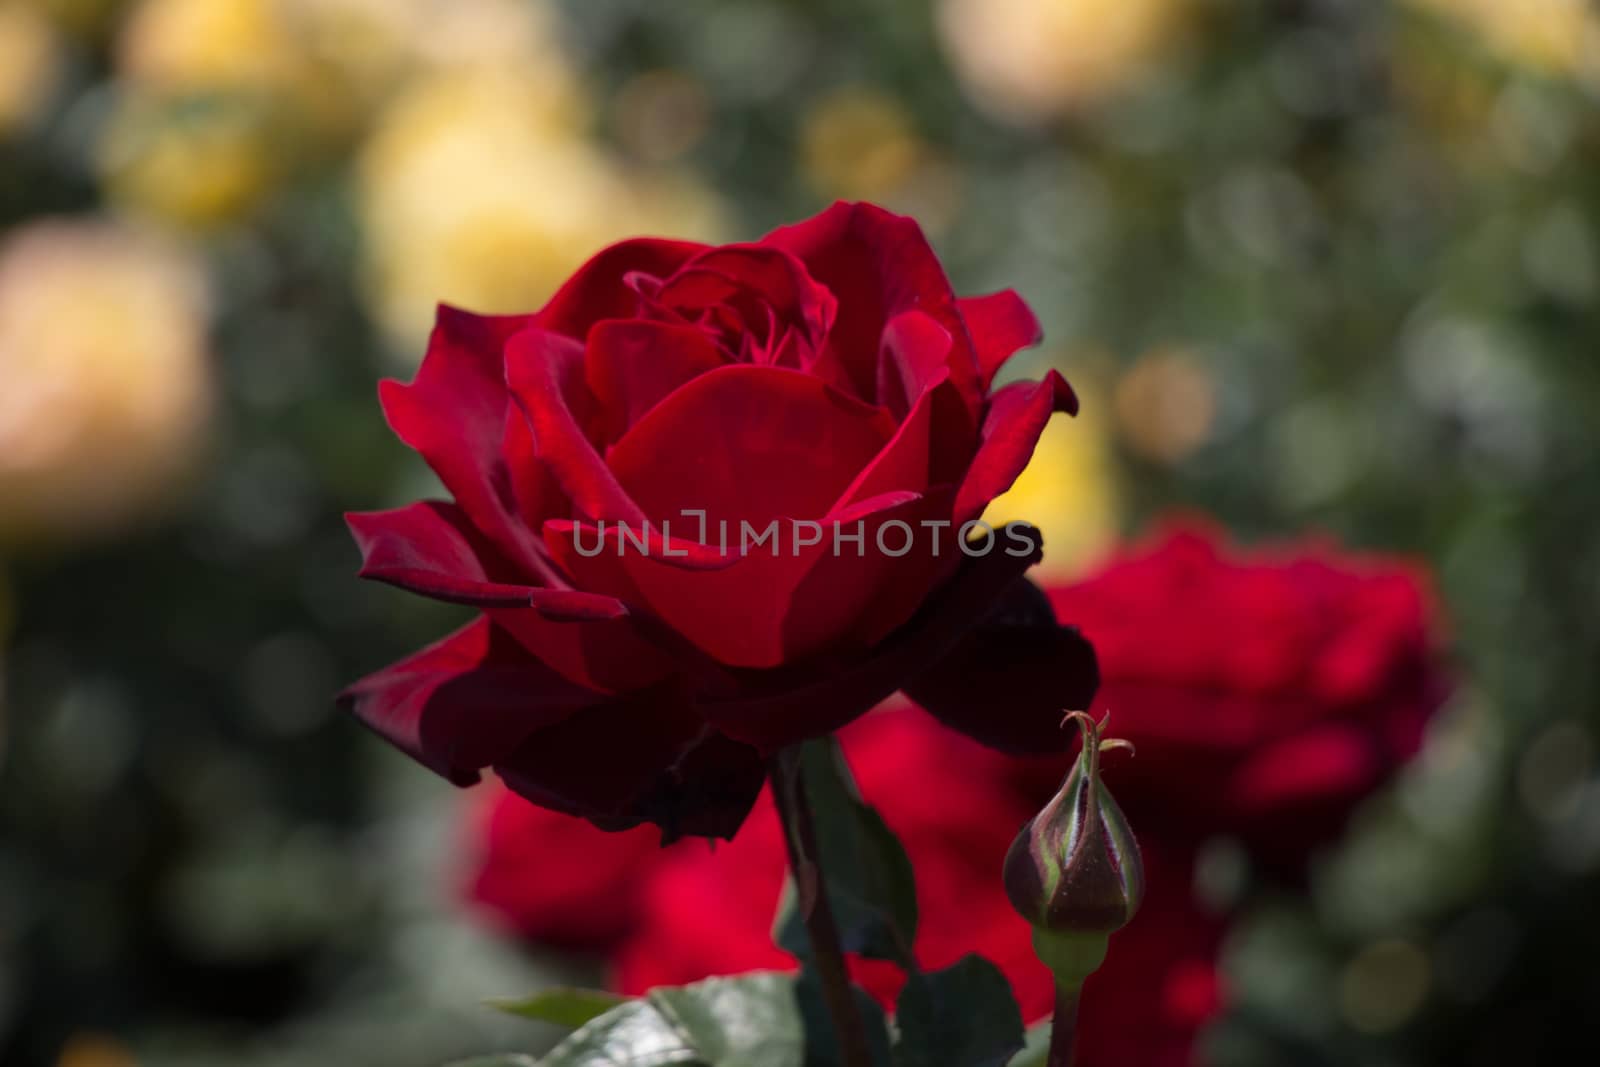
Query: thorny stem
[[800, 834], [1064, 1027]]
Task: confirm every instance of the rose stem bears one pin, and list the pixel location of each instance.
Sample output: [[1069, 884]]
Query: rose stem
[[800, 834], [1064, 1027]]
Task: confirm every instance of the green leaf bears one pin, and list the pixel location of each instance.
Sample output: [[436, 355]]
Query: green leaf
[[509, 1059], [562, 1006], [962, 1016], [821, 1045], [1035, 1047], [749, 1021], [870, 887], [736, 1022]]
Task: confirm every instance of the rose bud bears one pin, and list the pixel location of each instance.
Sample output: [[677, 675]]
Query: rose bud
[[1074, 870]]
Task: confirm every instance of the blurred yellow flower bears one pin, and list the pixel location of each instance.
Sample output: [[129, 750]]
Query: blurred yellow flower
[[86, 18], [29, 62], [196, 162], [107, 383], [185, 45], [1068, 491], [1032, 59], [1165, 405], [478, 189], [372, 46], [859, 145], [220, 101], [1552, 36]]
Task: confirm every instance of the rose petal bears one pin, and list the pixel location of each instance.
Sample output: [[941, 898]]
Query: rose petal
[[915, 357], [1012, 677], [1016, 417], [608, 655], [620, 764], [633, 365], [464, 702], [430, 548], [453, 413], [880, 265], [534, 487], [1001, 324], [786, 704], [904, 462], [748, 443], [750, 612], [599, 290], [754, 274], [545, 373]]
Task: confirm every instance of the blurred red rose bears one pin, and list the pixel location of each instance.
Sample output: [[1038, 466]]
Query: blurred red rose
[[826, 374], [1266, 692], [555, 879]]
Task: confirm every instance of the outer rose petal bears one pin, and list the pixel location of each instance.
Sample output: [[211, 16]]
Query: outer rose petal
[[620, 764], [881, 265], [804, 700], [1011, 677], [610, 655], [465, 702], [430, 548], [599, 290], [1001, 324], [1016, 417], [454, 414]]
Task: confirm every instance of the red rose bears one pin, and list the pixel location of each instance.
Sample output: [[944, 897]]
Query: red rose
[[626, 668], [1266, 692]]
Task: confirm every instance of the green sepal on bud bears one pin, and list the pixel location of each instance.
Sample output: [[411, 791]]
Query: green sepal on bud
[[1074, 872]]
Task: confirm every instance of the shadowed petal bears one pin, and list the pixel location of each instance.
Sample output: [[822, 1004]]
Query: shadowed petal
[[642, 757], [1010, 679], [465, 702], [783, 705]]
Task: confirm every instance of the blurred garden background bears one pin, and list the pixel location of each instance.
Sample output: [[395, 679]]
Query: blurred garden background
[[1315, 265]]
